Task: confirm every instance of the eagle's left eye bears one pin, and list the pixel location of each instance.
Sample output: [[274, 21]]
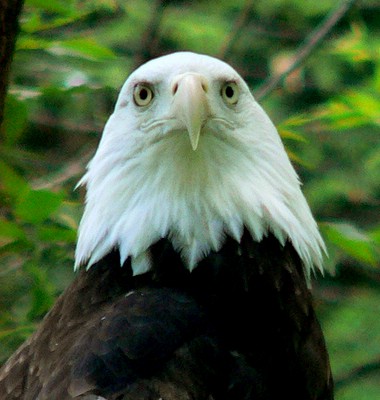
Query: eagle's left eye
[[230, 93], [142, 94]]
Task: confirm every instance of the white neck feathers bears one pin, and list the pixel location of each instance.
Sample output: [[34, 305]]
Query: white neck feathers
[[140, 191]]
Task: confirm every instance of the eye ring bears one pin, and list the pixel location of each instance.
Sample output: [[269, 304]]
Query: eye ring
[[142, 94], [230, 93]]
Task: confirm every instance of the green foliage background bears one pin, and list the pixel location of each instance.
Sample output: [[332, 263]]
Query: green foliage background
[[71, 59]]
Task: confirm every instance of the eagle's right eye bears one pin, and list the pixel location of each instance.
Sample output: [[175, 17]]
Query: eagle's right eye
[[142, 94]]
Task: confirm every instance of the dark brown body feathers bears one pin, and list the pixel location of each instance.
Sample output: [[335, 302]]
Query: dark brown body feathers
[[240, 326]]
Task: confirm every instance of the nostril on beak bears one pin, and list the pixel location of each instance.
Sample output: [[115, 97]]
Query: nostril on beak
[[202, 82]]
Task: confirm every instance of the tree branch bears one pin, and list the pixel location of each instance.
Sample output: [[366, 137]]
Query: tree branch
[[235, 32], [9, 13], [305, 49], [70, 170], [356, 373], [149, 40]]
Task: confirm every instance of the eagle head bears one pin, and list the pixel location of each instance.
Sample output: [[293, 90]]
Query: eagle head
[[189, 155]]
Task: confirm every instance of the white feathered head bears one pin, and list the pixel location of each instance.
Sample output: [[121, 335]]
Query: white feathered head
[[189, 155]]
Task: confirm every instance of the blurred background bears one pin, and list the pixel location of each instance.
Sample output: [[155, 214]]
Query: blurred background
[[72, 58]]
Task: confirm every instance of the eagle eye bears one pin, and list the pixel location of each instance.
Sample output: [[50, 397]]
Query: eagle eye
[[142, 94], [230, 93]]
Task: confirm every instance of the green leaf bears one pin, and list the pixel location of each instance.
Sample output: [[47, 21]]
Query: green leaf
[[336, 115], [297, 120], [82, 47], [352, 241], [15, 118], [23, 330], [295, 158], [51, 6], [11, 183], [290, 134], [56, 234], [10, 232], [358, 45], [42, 291], [35, 24], [28, 42], [375, 235], [37, 205], [352, 109], [365, 103]]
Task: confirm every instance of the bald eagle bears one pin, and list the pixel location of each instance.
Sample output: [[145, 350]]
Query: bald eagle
[[194, 255]]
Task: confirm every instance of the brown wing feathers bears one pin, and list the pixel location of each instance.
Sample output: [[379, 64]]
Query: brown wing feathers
[[240, 326]]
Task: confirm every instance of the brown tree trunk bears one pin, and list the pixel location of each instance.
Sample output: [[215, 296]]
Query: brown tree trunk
[[9, 13]]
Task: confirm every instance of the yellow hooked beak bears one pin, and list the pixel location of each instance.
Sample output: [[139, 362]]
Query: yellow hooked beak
[[190, 104]]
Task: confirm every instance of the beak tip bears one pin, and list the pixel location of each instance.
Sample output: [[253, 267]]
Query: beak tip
[[194, 141], [191, 104]]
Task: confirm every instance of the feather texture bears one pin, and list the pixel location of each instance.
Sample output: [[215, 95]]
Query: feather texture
[[240, 326], [145, 174]]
